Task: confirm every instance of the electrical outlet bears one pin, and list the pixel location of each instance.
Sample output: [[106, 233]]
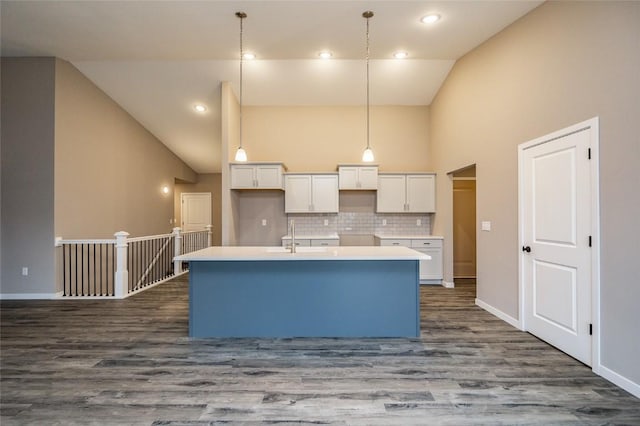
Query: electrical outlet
[[384, 222], [25, 271], [418, 222], [485, 225], [264, 222], [326, 222]]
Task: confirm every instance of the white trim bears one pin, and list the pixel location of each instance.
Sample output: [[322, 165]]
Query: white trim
[[140, 290], [615, 378], [27, 296], [592, 124], [448, 284], [498, 313]]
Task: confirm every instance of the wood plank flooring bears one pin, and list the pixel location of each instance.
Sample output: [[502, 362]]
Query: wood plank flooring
[[129, 362]]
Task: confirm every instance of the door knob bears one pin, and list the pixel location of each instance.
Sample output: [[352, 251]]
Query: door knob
[[527, 249]]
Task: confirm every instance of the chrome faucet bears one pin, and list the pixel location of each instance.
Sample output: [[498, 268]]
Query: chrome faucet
[[292, 231]]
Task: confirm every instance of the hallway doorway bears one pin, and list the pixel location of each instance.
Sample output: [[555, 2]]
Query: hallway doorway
[[464, 225]]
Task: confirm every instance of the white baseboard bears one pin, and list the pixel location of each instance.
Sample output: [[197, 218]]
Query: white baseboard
[[615, 378], [27, 296], [498, 313], [448, 284]]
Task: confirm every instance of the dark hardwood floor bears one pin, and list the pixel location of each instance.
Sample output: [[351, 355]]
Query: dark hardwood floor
[[128, 362]]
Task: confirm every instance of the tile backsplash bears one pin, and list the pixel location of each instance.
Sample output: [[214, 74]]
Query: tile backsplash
[[362, 223]]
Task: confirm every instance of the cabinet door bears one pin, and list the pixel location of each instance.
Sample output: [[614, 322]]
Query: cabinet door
[[325, 193], [431, 269], [242, 177], [297, 194], [367, 177], [269, 177], [391, 194], [348, 177], [421, 193]]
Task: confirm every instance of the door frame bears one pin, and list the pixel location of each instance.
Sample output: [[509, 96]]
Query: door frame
[[593, 125]]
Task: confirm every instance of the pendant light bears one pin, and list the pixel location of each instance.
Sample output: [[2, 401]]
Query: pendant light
[[241, 154], [367, 155]]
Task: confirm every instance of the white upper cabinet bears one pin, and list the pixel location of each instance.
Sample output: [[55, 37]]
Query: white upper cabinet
[[311, 193], [406, 193], [391, 194], [256, 176], [421, 193], [358, 177]]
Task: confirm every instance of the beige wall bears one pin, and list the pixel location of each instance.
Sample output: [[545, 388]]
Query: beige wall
[[206, 182], [311, 139], [563, 63], [109, 170], [27, 170]]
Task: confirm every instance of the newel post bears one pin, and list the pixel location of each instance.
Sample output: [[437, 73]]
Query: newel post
[[208, 235], [122, 274], [177, 250]]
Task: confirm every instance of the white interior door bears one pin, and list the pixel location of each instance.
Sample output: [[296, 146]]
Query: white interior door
[[556, 253], [196, 210]]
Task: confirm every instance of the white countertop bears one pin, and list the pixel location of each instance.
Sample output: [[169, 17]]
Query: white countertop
[[303, 253], [313, 237], [408, 237]]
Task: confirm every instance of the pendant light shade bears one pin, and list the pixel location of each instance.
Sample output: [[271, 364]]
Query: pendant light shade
[[241, 154], [367, 155]]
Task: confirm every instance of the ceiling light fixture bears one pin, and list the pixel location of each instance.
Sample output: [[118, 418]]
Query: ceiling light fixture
[[325, 54], [249, 56], [401, 55], [367, 155], [430, 19], [241, 154], [200, 108]]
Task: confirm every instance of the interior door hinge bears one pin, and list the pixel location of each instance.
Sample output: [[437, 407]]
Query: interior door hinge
[[589, 153], [590, 329], [589, 240]]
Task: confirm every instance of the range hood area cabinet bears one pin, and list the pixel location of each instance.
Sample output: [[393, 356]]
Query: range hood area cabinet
[[355, 177], [311, 193], [257, 175], [406, 193]]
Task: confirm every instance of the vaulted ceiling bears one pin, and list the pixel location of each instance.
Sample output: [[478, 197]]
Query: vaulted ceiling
[[157, 59]]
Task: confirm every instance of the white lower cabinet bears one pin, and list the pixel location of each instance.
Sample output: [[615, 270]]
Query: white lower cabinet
[[311, 193], [430, 270]]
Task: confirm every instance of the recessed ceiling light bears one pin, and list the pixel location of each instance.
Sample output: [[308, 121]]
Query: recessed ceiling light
[[401, 55], [430, 19], [249, 56], [199, 108], [325, 54]]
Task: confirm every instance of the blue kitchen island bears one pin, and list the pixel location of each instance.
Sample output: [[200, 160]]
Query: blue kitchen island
[[316, 292]]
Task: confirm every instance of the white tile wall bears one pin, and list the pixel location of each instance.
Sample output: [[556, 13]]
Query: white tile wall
[[351, 223]]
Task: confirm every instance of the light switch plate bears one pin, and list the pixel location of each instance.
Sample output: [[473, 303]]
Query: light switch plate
[[264, 222], [485, 225]]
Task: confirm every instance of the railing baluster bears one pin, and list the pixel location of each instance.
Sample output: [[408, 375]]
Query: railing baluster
[[91, 269]]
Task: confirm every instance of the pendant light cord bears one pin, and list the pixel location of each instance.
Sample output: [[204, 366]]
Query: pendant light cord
[[241, 15], [368, 14]]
